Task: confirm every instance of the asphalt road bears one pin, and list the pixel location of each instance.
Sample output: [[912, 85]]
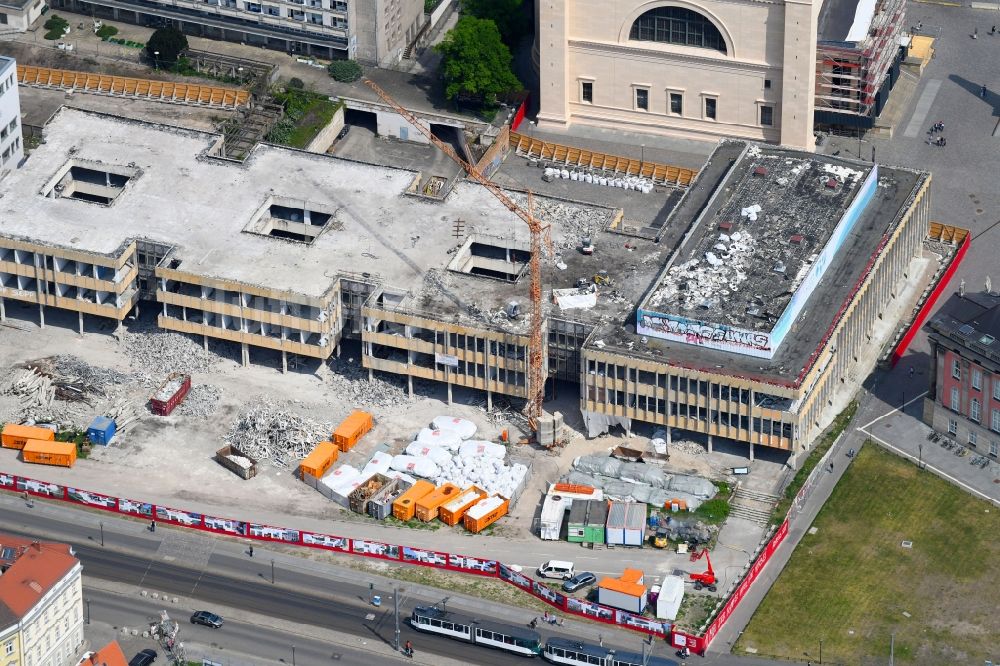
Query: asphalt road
[[297, 596], [236, 642]]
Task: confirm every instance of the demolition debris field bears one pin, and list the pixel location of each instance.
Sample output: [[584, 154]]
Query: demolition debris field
[[916, 559]]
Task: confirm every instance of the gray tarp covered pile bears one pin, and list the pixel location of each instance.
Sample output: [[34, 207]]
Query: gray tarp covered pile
[[639, 481]]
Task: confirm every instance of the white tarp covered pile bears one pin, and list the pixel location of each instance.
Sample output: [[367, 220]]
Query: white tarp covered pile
[[465, 428], [341, 482], [447, 438], [421, 466], [639, 482], [379, 464]]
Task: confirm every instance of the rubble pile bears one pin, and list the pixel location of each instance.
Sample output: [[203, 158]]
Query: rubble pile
[[201, 400], [573, 221], [155, 354], [688, 447], [67, 391], [263, 431], [350, 381]]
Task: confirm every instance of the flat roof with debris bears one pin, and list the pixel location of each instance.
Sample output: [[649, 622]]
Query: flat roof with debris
[[758, 246], [290, 220], [793, 202]]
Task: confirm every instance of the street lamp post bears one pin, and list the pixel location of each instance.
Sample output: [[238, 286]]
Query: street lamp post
[[821, 651], [102, 533], [156, 60], [87, 601], [272, 572], [920, 454], [642, 153], [395, 605], [293, 654]]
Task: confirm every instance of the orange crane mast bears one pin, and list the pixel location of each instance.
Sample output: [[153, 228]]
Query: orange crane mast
[[536, 374]]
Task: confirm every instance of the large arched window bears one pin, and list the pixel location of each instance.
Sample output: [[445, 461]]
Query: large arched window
[[677, 25]]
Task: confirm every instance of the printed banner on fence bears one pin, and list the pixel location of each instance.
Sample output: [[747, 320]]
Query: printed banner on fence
[[91, 499], [473, 564], [515, 577], [590, 609], [375, 549], [135, 508], [40, 487], [547, 593], [177, 516], [225, 525], [326, 541], [429, 557], [6, 480], [274, 533], [627, 619]]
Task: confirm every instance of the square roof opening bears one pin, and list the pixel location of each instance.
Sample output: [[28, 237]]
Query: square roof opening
[[90, 181], [290, 219]]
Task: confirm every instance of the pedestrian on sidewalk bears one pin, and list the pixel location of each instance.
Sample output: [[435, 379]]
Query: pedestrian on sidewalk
[[975, 33], [993, 30], [152, 526], [251, 551], [982, 91], [911, 370]]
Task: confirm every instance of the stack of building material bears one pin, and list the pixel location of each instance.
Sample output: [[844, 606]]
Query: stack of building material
[[267, 433], [368, 488], [236, 462]]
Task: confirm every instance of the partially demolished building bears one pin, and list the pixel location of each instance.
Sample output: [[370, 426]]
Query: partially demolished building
[[738, 321]]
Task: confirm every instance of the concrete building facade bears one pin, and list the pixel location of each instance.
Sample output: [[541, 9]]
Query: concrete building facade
[[41, 603], [794, 298], [963, 399], [374, 32], [701, 68], [18, 15], [11, 142]]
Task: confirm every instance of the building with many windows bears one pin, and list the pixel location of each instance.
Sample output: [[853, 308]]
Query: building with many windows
[[41, 603], [751, 310], [963, 399], [11, 142], [710, 68], [374, 32]]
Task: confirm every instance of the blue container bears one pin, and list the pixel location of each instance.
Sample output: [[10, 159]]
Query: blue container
[[101, 430]]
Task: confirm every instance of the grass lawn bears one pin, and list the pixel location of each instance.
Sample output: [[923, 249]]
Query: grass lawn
[[852, 584]]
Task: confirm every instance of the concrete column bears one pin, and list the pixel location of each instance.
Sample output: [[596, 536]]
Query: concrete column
[[751, 451], [41, 316], [449, 392], [245, 348], [205, 341], [371, 375], [3, 311], [80, 315], [798, 82], [284, 361], [668, 438], [489, 396], [409, 385], [709, 443]]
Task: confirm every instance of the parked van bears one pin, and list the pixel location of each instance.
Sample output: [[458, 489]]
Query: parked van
[[557, 569]]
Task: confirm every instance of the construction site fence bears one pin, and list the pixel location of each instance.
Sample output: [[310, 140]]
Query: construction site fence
[[931, 300], [154, 513]]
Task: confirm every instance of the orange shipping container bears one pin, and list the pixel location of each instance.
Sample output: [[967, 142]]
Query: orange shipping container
[[15, 436], [405, 506], [49, 453], [352, 429], [428, 505], [451, 512], [485, 512], [319, 461]]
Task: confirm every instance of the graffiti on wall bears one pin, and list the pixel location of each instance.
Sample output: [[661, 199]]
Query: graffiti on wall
[[715, 336]]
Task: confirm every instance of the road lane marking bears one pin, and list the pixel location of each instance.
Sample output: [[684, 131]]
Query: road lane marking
[[893, 411]]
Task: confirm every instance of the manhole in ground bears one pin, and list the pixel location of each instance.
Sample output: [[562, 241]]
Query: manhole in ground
[[979, 211]]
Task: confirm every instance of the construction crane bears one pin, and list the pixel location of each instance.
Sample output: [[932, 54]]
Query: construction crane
[[536, 375]]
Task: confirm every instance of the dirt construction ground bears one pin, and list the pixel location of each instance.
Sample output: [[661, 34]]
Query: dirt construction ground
[[169, 460]]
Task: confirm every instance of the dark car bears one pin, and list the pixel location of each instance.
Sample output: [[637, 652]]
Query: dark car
[[144, 658], [579, 581], [207, 619]]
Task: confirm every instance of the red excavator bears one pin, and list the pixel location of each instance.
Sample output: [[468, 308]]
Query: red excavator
[[707, 578]]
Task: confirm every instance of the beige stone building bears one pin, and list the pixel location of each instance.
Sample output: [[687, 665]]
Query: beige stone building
[[700, 69]]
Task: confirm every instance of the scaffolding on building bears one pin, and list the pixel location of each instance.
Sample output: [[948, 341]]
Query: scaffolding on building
[[851, 74]]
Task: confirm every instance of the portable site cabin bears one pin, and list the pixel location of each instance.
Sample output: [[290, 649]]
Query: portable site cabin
[[101, 430], [429, 505], [405, 506], [627, 592], [319, 461], [44, 452], [668, 603], [626, 524], [352, 429], [558, 501], [15, 436], [587, 520]]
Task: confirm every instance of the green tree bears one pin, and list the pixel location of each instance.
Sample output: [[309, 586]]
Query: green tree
[[475, 62], [506, 14], [169, 43], [345, 71]]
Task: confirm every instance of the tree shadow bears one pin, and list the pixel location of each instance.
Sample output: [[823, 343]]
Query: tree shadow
[[992, 97]]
